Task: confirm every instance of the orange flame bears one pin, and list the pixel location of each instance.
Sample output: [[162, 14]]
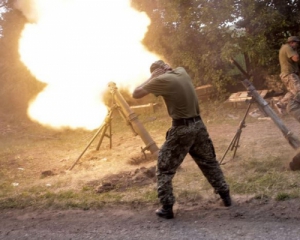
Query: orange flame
[[76, 47]]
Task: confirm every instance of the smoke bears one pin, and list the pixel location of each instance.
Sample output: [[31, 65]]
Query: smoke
[[77, 47], [29, 8]]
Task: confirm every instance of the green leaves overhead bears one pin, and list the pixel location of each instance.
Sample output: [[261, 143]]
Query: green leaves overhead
[[202, 35]]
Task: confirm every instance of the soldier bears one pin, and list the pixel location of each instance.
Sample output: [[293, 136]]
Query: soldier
[[188, 134], [288, 58]]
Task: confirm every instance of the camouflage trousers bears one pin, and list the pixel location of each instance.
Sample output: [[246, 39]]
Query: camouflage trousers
[[180, 141], [291, 100]]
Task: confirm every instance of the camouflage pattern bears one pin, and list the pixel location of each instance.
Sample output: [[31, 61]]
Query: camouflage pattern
[[180, 141], [293, 107], [292, 99], [292, 83]]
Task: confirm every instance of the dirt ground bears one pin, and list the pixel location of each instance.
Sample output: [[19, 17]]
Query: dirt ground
[[247, 218], [244, 220]]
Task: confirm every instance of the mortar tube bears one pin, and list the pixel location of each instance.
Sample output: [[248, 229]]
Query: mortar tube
[[291, 138], [133, 119]]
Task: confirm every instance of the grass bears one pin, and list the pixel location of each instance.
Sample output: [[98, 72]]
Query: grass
[[259, 169]]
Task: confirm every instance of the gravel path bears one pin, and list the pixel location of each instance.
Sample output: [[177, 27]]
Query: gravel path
[[271, 221]]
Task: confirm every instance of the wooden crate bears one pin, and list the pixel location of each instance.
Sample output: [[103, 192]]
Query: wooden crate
[[205, 92], [146, 108], [241, 99]]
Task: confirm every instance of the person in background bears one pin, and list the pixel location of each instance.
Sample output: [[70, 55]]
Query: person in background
[[188, 134], [288, 59]]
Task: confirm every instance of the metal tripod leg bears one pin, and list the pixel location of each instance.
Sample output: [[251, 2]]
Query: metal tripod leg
[[102, 130], [234, 144], [99, 130], [107, 125]]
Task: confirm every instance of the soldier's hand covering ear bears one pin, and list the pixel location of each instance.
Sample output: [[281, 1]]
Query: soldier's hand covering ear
[[157, 72], [167, 67]]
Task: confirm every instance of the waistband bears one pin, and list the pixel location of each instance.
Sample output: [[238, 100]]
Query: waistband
[[185, 121]]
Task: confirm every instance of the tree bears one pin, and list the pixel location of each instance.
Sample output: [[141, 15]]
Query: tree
[[203, 35], [192, 34], [18, 86], [200, 35]]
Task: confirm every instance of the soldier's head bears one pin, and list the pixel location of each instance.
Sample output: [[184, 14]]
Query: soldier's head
[[159, 64], [293, 41]]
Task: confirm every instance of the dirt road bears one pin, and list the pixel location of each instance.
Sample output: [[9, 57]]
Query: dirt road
[[250, 219]]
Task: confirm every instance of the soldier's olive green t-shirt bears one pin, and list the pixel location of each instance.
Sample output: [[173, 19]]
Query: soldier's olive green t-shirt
[[287, 65], [178, 92]]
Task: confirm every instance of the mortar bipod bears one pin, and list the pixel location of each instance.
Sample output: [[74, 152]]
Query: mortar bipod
[[102, 129], [131, 119], [234, 144]]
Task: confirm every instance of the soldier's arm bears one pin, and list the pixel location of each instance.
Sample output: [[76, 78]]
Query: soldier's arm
[[295, 57], [139, 91]]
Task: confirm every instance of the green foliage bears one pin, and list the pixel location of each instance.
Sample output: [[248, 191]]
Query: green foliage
[[150, 195], [203, 35], [283, 197], [199, 35]]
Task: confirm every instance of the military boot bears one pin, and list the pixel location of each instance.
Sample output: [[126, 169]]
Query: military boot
[[226, 198], [165, 212]]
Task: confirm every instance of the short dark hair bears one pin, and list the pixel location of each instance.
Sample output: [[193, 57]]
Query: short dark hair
[[157, 64]]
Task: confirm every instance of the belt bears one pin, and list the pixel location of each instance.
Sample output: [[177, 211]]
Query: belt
[[185, 121]]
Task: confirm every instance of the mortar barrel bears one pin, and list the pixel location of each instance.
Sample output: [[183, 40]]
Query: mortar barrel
[[292, 139], [133, 119]]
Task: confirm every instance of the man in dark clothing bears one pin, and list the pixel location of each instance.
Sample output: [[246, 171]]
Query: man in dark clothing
[[288, 59], [188, 134]]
